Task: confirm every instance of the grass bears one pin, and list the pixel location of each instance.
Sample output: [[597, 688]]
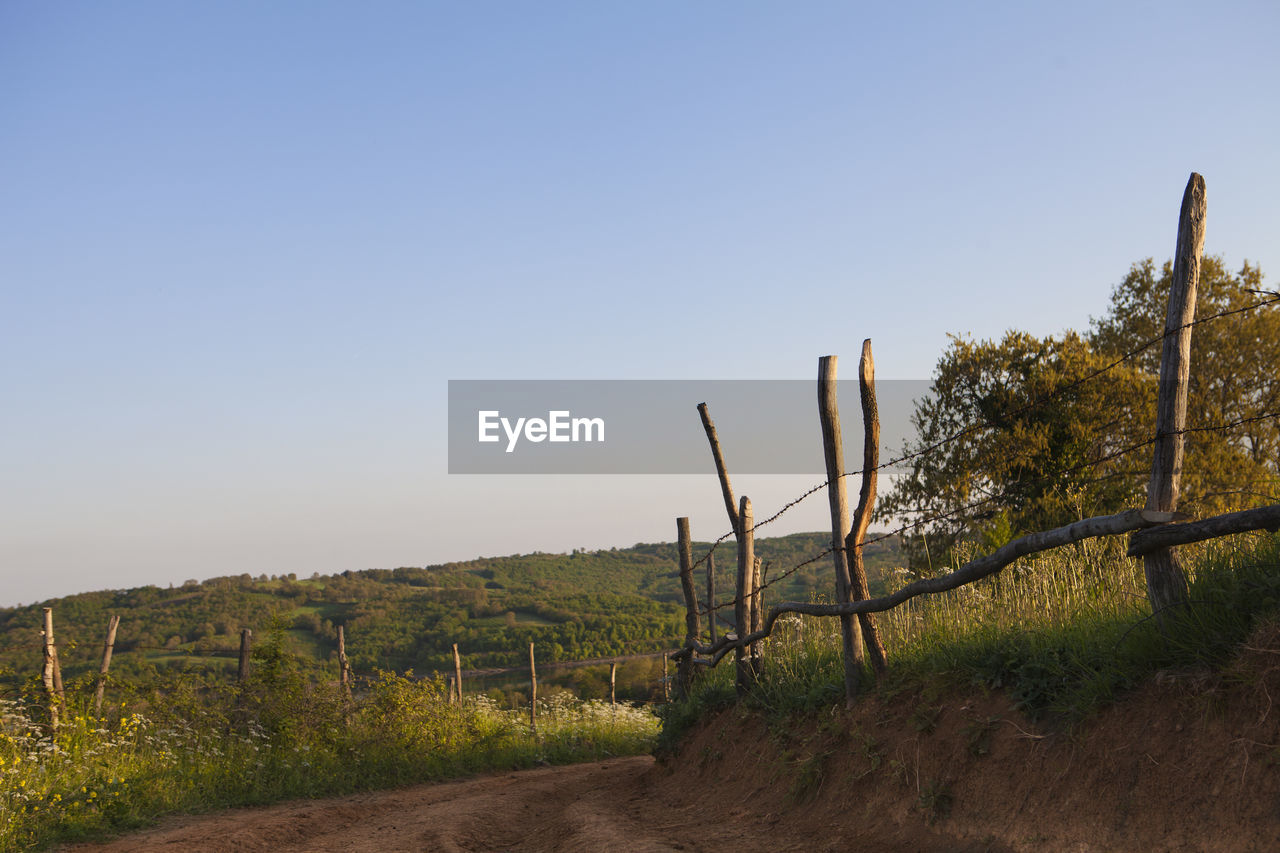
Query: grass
[[1061, 634], [192, 745]]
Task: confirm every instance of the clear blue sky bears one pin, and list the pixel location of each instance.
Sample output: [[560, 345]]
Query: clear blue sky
[[243, 246]]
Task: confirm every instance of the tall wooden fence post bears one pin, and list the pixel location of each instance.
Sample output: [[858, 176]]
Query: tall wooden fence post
[[533, 690], [49, 672], [246, 641], [745, 594], [866, 504], [107, 647], [833, 449], [1166, 581], [457, 674], [344, 663], [613, 683], [692, 626]]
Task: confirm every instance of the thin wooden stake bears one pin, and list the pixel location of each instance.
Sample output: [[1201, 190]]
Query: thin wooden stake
[[107, 647], [48, 671], [866, 503], [833, 449], [457, 674], [711, 596], [1166, 580], [666, 683], [723, 473], [533, 690], [745, 595], [692, 626], [613, 682], [343, 663], [246, 641]]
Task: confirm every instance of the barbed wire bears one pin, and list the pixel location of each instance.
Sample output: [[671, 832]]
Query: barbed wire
[[969, 507], [1271, 297]]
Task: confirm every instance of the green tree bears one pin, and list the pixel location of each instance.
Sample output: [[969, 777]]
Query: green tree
[[1233, 377], [1044, 423]]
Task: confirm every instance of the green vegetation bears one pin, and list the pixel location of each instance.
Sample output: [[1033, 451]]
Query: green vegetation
[[1060, 420], [576, 606], [190, 744], [1061, 634]]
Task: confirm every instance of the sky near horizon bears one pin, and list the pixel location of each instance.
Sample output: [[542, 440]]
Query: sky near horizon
[[245, 246]]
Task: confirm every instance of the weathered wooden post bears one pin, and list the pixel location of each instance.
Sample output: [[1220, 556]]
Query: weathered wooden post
[[666, 682], [613, 683], [49, 671], [1166, 581], [343, 663], [533, 690], [246, 641], [745, 595], [757, 616], [457, 675], [866, 503], [833, 449], [692, 627], [711, 596], [107, 648], [723, 473]]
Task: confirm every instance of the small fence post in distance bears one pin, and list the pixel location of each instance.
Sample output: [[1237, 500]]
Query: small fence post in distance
[[246, 641], [533, 690], [343, 663], [107, 647], [457, 676]]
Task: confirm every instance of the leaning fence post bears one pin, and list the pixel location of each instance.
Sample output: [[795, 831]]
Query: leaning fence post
[[833, 449], [49, 671], [533, 690], [866, 503], [684, 672], [107, 648], [723, 473], [1166, 581], [742, 603], [246, 640]]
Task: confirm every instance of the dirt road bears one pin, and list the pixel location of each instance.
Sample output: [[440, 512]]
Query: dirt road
[[620, 805]]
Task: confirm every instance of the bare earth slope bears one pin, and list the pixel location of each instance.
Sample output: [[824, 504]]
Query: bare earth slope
[[1191, 762]]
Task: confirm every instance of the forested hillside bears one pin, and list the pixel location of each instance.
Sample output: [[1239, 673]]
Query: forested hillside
[[585, 604]]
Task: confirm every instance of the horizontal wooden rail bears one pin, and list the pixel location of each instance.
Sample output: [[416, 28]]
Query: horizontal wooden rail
[[1089, 528], [1146, 541]]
